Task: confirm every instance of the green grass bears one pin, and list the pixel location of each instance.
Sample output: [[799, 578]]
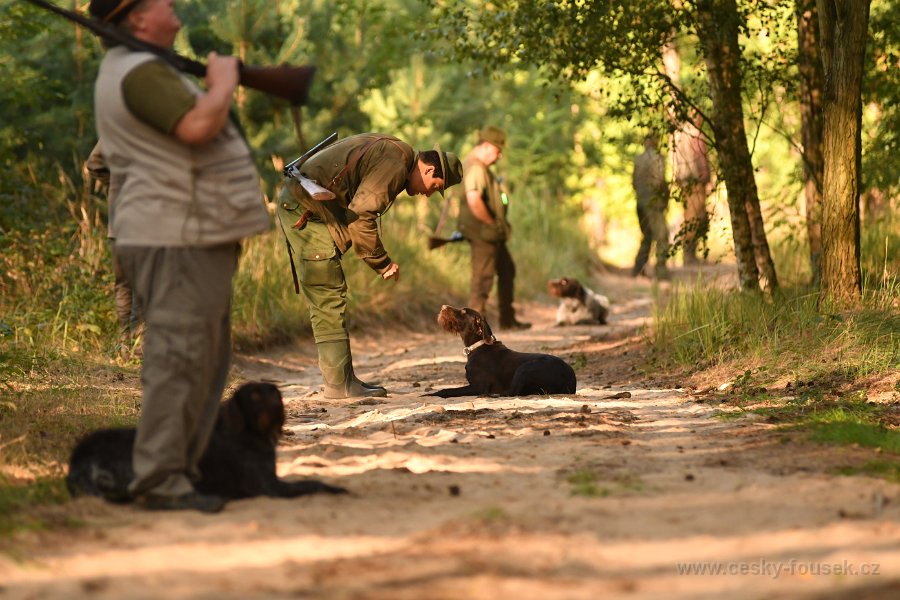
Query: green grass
[[491, 514], [882, 469], [849, 425], [850, 420], [43, 410], [16, 502], [585, 482]]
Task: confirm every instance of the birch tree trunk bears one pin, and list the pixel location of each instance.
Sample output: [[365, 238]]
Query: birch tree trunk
[[844, 28]]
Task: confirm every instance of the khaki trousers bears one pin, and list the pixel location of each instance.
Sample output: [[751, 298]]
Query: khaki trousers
[[184, 295]]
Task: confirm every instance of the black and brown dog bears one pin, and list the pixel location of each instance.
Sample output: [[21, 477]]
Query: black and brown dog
[[239, 461], [492, 368], [578, 304]]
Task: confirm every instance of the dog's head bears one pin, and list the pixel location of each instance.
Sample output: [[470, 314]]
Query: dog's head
[[255, 410], [471, 326], [566, 287]]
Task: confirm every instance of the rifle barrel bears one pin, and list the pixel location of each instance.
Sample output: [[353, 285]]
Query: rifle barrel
[[290, 83]]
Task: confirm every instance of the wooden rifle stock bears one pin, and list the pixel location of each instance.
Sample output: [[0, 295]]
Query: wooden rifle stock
[[284, 81], [436, 242], [290, 83]]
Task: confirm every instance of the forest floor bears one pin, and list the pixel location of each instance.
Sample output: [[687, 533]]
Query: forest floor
[[630, 488]]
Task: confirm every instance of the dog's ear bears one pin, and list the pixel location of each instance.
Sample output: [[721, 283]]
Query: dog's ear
[[580, 292], [270, 411], [231, 415], [486, 334]]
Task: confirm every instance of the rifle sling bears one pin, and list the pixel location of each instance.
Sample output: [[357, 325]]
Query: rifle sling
[[357, 156]]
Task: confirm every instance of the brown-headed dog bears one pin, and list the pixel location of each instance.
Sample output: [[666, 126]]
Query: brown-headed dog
[[492, 368], [239, 461], [578, 304]]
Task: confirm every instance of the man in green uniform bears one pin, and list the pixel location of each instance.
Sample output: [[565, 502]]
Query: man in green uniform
[[366, 173], [129, 320], [652, 191], [186, 192], [482, 221]]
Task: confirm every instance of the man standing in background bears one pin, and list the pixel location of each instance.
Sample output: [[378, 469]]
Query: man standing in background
[[652, 191], [482, 221], [186, 192], [129, 321], [692, 175]]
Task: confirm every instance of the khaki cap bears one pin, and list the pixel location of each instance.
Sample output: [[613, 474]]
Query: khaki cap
[[494, 135]]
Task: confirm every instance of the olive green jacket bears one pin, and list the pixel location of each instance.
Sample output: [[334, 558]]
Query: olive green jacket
[[478, 177], [365, 192]]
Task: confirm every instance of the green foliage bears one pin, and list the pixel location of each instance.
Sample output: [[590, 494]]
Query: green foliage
[[881, 98]]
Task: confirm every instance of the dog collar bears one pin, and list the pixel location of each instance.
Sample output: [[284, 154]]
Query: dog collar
[[469, 349]]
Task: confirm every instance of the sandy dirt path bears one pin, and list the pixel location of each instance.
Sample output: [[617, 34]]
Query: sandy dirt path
[[626, 489]]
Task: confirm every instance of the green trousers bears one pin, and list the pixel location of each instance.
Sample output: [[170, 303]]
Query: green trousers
[[654, 231], [321, 275], [488, 259], [184, 295]]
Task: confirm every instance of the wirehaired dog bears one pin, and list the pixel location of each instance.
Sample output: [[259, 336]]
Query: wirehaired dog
[[578, 305], [492, 368], [239, 461]]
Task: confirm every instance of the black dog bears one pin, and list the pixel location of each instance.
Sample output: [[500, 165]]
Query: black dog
[[239, 461], [492, 368]]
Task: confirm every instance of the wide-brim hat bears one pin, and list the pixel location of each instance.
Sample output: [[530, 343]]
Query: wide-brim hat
[[451, 167]]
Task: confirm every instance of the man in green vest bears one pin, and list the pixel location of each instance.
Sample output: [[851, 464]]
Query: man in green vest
[[652, 191], [366, 173], [482, 221], [186, 193]]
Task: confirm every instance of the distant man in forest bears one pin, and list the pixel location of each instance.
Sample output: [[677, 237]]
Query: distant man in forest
[[483, 206], [366, 173], [652, 192], [129, 320], [186, 192], [692, 174]]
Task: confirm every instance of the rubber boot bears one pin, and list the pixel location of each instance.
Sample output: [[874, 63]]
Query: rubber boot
[[336, 365]]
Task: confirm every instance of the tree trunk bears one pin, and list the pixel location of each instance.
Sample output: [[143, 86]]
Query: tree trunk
[[844, 27], [809, 63], [717, 27]]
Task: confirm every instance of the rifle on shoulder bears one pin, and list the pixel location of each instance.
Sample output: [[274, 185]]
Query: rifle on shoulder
[[284, 81]]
